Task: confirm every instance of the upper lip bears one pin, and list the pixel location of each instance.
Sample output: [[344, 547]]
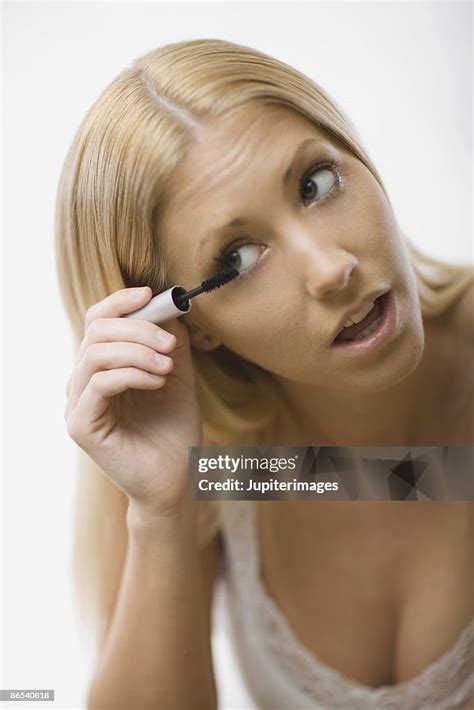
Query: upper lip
[[356, 307]]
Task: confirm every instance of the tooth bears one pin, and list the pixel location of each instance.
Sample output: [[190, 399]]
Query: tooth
[[360, 315], [370, 329]]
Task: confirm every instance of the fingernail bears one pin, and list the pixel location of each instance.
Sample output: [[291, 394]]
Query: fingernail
[[166, 338]]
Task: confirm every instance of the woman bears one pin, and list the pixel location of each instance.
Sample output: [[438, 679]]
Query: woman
[[362, 605]]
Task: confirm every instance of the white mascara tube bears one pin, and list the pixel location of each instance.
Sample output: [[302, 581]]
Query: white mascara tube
[[163, 307], [176, 301]]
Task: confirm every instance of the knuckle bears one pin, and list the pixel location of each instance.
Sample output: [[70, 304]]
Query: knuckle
[[97, 381], [82, 347], [73, 429], [89, 317], [95, 327], [90, 354]]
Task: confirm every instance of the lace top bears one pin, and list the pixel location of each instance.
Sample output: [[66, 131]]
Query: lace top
[[283, 674]]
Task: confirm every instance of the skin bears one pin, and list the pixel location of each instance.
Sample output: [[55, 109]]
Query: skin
[[310, 264]]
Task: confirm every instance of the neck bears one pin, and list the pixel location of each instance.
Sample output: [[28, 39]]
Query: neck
[[406, 414]]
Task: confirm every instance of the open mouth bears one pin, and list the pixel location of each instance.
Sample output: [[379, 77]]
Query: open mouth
[[378, 326], [367, 325]]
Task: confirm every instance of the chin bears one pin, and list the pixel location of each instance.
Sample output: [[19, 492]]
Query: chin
[[399, 360]]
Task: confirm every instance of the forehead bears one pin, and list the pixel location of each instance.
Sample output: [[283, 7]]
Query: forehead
[[221, 148], [223, 166]]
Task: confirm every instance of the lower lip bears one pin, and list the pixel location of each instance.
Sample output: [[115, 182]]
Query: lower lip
[[378, 337]]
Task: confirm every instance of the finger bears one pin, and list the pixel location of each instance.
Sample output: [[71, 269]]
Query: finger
[[116, 304], [121, 302], [104, 330], [108, 356], [94, 400]]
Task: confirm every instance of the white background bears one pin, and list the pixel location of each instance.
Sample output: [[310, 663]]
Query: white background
[[401, 71]]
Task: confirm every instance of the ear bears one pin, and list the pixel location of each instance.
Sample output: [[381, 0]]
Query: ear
[[202, 340]]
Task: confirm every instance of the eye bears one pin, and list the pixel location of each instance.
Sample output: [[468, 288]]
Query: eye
[[317, 183], [239, 256]]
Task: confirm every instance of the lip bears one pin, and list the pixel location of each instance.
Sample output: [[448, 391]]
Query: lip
[[382, 334], [358, 307]]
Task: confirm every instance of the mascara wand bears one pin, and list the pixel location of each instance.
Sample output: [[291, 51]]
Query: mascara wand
[[176, 301]]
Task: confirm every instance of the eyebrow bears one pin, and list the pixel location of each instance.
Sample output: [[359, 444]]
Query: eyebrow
[[241, 221]]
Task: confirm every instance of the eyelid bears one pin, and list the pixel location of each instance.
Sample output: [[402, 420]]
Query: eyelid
[[334, 164], [237, 244]]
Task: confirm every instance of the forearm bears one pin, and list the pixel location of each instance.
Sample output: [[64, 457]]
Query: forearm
[[158, 652]]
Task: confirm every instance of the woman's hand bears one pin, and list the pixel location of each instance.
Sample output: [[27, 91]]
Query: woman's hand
[[132, 404]]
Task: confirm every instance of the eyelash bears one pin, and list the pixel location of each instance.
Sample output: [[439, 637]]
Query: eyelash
[[334, 165]]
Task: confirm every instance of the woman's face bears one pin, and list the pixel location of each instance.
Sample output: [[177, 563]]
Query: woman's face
[[307, 252]]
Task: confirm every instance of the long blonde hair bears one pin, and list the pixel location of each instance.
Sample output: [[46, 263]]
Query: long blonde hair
[[110, 197]]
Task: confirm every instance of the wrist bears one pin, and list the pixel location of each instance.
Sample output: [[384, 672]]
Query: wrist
[[142, 520]]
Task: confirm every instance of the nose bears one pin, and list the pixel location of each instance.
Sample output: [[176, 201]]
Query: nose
[[328, 270]]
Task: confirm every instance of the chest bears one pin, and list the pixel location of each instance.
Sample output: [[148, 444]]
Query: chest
[[377, 590]]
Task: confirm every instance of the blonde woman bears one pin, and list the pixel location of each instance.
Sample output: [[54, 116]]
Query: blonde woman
[[333, 604]]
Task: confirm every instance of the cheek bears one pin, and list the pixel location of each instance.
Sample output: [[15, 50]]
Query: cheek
[[370, 224], [270, 333]]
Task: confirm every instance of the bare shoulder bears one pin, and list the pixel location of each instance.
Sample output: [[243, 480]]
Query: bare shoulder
[[469, 705], [463, 317], [451, 334], [461, 372]]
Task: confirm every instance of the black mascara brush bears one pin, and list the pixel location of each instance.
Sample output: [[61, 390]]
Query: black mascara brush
[[176, 300]]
